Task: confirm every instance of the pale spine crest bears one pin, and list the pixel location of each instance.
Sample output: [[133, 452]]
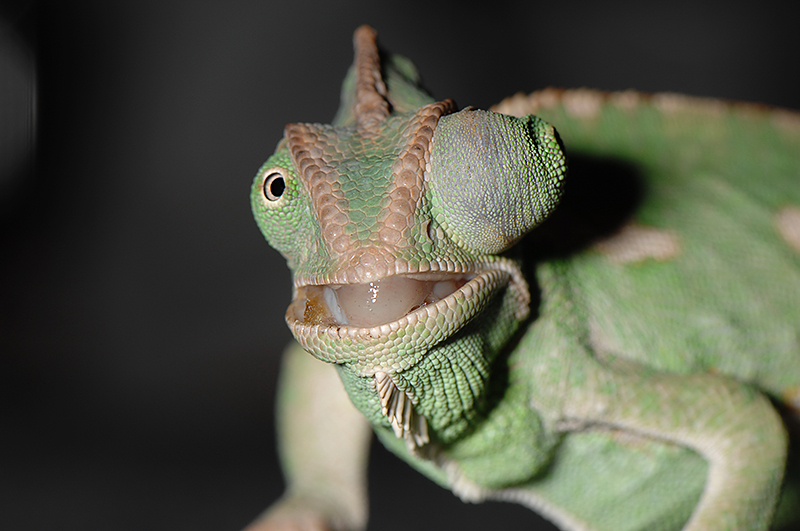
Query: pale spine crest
[[397, 407]]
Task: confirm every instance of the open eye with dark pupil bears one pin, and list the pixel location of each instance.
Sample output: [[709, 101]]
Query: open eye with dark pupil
[[274, 186]]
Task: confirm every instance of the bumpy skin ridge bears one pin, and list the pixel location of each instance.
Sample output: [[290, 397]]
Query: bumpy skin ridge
[[371, 105]]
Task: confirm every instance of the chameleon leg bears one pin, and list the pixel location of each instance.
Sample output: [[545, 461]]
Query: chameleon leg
[[732, 426], [324, 444]]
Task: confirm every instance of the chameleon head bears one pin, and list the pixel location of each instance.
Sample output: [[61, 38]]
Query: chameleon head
[[394, 223], [403, 224]]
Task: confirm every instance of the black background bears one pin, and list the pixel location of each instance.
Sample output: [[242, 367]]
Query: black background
[[141, 312]]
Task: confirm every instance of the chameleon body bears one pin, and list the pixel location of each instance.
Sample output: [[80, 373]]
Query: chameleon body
[[621, 367]]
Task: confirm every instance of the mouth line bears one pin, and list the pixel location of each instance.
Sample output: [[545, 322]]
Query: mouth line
[[377, 303]]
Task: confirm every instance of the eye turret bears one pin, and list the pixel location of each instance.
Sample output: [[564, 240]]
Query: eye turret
[[493, 177]]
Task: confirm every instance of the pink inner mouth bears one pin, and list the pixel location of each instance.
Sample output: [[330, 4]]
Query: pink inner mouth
[[374, 303]]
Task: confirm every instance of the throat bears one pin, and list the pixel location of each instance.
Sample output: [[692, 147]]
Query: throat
[[375, 303]]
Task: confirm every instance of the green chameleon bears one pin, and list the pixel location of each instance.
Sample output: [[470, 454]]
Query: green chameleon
[[633, 363]]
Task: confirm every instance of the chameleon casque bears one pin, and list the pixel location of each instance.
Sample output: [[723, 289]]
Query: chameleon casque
[[632, 363]]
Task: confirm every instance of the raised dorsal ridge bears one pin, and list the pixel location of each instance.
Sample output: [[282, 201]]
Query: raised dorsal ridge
[[371, 105]]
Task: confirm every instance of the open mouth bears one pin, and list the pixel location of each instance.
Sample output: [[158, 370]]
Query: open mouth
[[391, 323], [374, 303]]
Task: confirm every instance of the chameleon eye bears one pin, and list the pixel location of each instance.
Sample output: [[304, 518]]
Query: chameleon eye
[[493, 177], [274, 186]]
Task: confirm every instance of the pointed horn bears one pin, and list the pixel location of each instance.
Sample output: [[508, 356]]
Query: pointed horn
[[371, 106]]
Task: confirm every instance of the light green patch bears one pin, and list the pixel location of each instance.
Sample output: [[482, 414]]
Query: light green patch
[[627, 100], [787, 221], [583, 103], [675, 103], [600, 496], [635, 243], [787, 121]]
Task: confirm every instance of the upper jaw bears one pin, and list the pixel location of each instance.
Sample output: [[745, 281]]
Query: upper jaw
[[391, 302], [344, 300]]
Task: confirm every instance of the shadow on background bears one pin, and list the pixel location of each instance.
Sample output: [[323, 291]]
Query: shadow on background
[[141, 312]]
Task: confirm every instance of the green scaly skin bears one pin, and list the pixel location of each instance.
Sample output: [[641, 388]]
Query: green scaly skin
[[617, 374]]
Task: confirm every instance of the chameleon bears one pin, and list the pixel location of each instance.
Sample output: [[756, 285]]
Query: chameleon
[[586, 303]]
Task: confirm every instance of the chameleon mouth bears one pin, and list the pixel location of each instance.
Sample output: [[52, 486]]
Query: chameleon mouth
[[374, 303], [417, 311]]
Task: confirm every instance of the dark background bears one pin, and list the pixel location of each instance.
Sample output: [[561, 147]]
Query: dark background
[[141, 312]]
